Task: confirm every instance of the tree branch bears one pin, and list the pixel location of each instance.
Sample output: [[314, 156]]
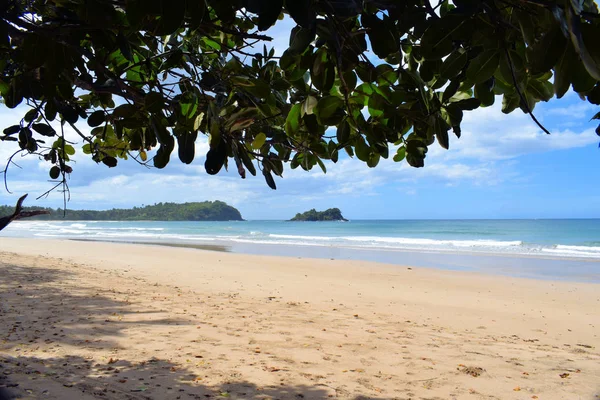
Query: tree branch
[[19, 213]]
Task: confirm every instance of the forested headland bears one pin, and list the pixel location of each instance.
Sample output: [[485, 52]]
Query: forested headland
[[197, 211]]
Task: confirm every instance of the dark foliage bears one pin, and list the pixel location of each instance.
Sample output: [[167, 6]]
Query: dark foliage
[[372, 78], [331, 214]]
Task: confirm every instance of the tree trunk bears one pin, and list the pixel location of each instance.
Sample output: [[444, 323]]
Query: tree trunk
[[19, 213]]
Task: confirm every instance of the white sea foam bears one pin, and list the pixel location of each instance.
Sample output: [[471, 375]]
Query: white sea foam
[[298, 237], [191, 233], [574, 251], [594, 249]]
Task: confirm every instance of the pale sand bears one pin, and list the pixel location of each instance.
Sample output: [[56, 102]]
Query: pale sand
[[84, 320]]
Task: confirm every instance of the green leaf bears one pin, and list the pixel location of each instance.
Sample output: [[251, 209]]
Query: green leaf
[[594, 95], [588, 62], [125, 47], [322, 72], [400, 154], [343, 133], [11, 130], [450, 90], [453, 64], [300, 39], [302, 12], [562, 72], [163, 155], [44, 129], [197, 12], [580, 78], [224, 9], [441, 132], [453, 115], [373, 160], [109, 161], [383, 35], [485, 93], [96, 118], [54, 172], [511, 69], [526, 23], [321, 165], [309, 105], [437, 39], [269, 179], [377, 105], [171, 17], [215, 158], [186, 143], [415, 153], [510, 102], [546, 52], [243, 154], [330, 110], [483, 66], [292, 122], [154, 102], [363, 151], [31, 115], [124, 111], [541, 90], [468, 104], [268, 11], [259, 141]]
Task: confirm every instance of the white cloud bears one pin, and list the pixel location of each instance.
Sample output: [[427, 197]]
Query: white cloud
[[488, 135]]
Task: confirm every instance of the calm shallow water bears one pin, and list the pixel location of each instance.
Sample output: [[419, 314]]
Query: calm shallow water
[[557, 249]]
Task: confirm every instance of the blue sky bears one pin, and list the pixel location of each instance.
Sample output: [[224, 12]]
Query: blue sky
[[502, 167]]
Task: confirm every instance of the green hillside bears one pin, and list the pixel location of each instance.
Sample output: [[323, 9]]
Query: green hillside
[[203, 211]]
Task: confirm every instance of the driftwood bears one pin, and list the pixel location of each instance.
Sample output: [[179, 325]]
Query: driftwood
[[19, 213]]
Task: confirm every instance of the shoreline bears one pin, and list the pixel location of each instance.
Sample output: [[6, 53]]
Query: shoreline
[[128, 321], [487, 263]]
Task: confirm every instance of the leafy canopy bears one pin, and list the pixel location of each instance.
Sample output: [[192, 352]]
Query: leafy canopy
[[360, 76]]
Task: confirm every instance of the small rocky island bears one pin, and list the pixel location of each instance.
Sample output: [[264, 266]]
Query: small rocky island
[[332, 214]]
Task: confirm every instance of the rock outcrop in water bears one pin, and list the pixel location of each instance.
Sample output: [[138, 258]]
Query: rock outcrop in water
[[202, 211], [332, 214]]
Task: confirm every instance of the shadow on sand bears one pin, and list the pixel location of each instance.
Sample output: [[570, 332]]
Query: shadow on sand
[[33, 301]]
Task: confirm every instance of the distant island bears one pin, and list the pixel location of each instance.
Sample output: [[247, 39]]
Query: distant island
[[332, 214], [201, 211]]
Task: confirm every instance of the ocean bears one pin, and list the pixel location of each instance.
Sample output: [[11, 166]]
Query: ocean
[[555, 249]]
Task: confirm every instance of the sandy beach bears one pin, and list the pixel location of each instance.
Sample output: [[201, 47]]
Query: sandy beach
[[84, 320]]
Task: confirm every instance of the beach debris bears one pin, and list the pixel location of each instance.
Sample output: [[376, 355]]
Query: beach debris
[[473, 371], [565, 375], [517, 389]]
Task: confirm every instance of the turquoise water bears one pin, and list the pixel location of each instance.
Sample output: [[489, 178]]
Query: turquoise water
[[541, 249], [562, 239]]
